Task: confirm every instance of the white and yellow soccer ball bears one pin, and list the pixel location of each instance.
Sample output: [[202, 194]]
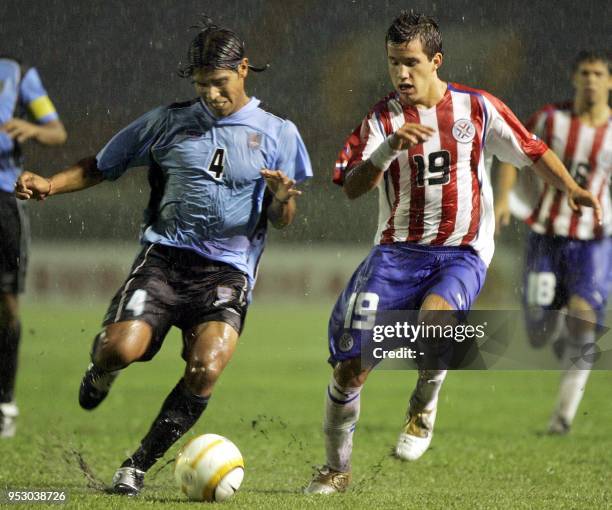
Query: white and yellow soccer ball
[[209, 468]]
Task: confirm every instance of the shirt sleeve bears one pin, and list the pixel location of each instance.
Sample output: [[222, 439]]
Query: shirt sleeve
[[34, 97], [358, 147], [292, 157], [507, 138], [131, 146]]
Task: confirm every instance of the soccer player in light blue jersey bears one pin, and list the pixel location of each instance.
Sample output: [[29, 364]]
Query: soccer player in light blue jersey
[[26, 113], [220, 168]]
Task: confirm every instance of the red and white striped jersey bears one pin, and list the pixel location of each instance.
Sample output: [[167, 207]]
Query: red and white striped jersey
[[438, 193], [586, 151]]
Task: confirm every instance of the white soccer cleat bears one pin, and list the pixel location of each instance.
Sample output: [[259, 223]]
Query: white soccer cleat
[[8, 419], [328, 481], [414, 440]]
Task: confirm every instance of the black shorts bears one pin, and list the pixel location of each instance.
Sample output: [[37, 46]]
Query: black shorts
[[177, 287], [14, 243]]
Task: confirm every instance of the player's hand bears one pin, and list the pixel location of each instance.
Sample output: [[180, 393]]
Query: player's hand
[[21, 130], [502, 214], [578, 196], [280, 185], [409, 135], [30, 185]]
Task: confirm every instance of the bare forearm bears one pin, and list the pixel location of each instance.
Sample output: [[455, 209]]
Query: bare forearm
[[550, 168], [506, 177], [77, 177], [52, 133], [280, 213], [361, 179]]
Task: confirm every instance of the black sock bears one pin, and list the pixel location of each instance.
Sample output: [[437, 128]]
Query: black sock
[[9, 348], [178, 414]]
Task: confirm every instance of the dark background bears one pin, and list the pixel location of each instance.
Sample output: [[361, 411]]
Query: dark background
[[104, 63]]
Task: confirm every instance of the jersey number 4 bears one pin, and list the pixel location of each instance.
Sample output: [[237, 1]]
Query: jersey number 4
[[215, 168]]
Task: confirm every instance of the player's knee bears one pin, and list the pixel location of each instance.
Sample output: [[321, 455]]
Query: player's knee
[[543, 328], [350, 373], [581, 317], [201, 374], [114, 350]]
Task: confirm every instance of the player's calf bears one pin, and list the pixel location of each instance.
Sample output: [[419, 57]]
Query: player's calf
[[178, 414]]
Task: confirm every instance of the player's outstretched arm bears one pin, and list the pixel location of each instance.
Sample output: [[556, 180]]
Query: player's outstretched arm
[[281, 210], [506, 177], [366, 176], [550, 168], [82, 175], [51, 133]]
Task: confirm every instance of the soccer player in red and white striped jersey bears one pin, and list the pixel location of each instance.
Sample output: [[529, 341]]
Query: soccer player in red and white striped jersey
[[425, 147], [568, 254]]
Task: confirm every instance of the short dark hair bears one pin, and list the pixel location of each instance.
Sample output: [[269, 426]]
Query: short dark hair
[[591, 56], [410, 25], [214, 47]]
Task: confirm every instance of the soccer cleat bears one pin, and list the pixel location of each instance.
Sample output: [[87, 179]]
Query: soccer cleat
[[128, 481], [414, 440], [95, 385], [558, 426], [328, 481], [8, 419]]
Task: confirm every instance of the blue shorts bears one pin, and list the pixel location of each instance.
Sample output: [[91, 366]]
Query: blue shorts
[[400, 276], [557, 268]]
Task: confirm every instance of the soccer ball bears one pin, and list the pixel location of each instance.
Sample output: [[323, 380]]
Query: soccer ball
[[209, 468]]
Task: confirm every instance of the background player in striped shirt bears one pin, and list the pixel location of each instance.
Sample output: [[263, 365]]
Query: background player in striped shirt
[[21, 94], [568, 254], [212, 196], [425, 147]]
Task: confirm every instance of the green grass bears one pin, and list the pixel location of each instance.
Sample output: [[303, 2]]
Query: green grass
[[488, 451]]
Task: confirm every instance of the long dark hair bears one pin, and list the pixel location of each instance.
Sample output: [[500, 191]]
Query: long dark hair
[[214, 47]]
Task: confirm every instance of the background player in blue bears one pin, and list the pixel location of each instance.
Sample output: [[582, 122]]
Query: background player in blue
[[21, 93], [204, 235]]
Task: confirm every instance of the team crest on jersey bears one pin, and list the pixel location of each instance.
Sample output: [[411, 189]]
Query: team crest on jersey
[[254, 141], [346, 342], [464, 131]]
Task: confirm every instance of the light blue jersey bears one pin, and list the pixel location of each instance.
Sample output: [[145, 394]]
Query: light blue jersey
[[19, 94], [207, 191]]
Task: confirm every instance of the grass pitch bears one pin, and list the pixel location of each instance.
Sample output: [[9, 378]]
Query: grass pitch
[[488, 450]]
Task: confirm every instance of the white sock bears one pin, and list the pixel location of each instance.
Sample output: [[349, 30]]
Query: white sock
[[575, 375], [425, 395], [341, 415]]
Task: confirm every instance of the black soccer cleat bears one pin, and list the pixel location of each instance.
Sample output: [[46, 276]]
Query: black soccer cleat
[[128, 481], [95, 385]]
